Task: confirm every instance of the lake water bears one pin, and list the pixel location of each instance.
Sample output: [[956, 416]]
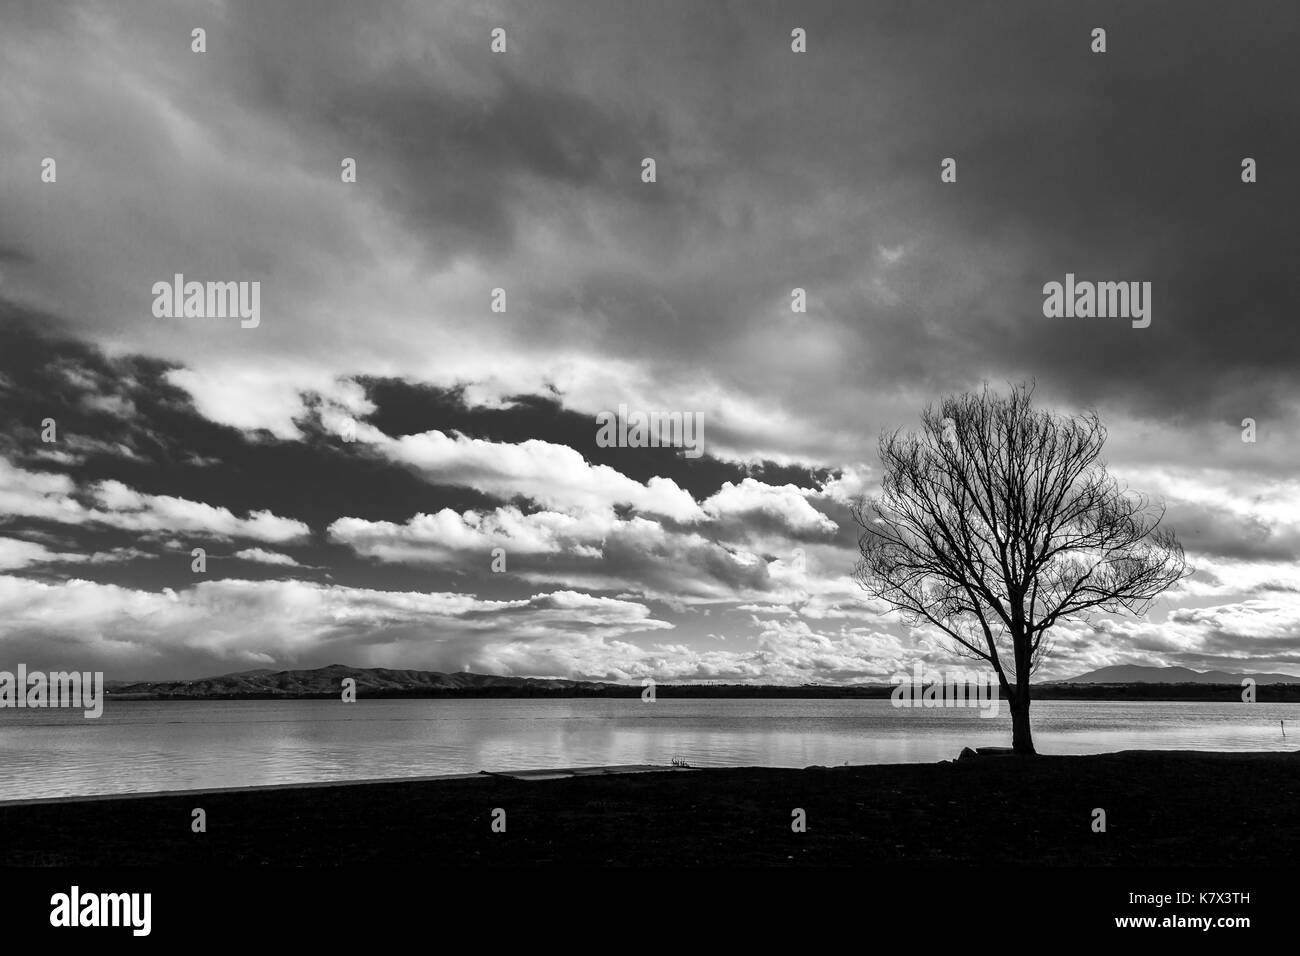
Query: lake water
[[174, 745]]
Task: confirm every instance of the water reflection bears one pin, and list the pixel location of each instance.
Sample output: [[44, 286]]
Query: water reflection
[[142, 746]]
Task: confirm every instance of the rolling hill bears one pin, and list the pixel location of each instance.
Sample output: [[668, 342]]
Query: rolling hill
[[328, 682], [1138, 674]]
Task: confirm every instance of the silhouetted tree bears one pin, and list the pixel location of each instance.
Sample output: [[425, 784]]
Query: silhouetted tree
[[997, 520]]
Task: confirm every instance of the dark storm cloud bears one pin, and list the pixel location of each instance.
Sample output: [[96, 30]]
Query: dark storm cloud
[[780, 170], [448, 135], [1124, 165], [93, 399]]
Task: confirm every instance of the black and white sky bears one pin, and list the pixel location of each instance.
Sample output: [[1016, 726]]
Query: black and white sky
[[522, 170]]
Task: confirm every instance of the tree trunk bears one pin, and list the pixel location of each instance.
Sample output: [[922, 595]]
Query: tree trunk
[[1022, 740]]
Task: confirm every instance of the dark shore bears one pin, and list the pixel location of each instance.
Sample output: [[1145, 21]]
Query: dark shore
[[1162, 809]]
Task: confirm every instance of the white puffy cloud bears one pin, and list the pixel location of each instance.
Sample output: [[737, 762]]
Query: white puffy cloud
[[447, 535], [701, 564], [230, 622], [253, 398], [785, 505], [852, 482], [16, 553], [554, 476], [1256, 634], [262, 556], [35, 494], [125, 508], [1224, 577]]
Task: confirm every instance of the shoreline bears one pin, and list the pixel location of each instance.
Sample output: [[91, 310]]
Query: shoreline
[[1187, 693], [1163, 808], [542, 773]]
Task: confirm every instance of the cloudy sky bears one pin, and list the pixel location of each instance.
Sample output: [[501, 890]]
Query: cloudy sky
[[522, 170]]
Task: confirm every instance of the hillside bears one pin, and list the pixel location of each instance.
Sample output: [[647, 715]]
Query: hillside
[[1137, 674], [328, 682]]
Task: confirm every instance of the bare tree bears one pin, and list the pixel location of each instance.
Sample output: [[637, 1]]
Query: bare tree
[[996, 521]]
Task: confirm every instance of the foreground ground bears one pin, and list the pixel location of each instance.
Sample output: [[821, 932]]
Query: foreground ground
[[1162, 809]]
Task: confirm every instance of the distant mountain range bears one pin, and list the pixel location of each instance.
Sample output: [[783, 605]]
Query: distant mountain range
[[1121, 681], [1137, 674], [328, 682]]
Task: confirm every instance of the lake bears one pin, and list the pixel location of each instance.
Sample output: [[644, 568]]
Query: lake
[[176, 745]]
